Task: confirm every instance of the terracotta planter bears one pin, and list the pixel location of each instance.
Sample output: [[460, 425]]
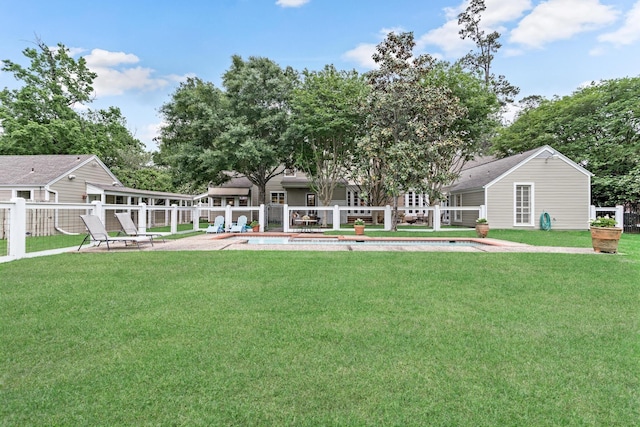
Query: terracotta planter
[[605, 239], [359, 229], [256, 228], [482, 230]]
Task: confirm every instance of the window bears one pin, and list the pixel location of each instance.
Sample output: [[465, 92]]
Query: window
[[25, 194], [243, 201], [217, 201], [290, 172], [523, 208], [457, 201], [277, 197]]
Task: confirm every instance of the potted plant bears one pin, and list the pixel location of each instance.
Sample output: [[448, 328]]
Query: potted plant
[[255, 225], [482, 227], [358, 226], [605, 235]]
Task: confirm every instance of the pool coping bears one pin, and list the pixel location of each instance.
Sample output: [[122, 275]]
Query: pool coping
[[209, 242]]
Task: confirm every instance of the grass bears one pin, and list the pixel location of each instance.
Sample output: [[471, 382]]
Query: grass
[[322, 338]]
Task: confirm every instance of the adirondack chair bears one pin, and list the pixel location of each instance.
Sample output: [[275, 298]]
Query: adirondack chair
[[217, 226], [240, 226]]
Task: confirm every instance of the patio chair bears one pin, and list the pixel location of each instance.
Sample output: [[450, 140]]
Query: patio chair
[[98, 233], [217, 226], [130, 229], [240, 225]]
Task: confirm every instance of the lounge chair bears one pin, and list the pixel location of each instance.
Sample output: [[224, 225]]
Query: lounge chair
[[129, 227], [217, 226], [98, 233], [240, 225]]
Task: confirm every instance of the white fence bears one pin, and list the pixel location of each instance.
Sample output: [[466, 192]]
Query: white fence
[[21, 221], [616, 212]]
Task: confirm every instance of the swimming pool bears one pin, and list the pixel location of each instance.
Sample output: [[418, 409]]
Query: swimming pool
[[286, 240]]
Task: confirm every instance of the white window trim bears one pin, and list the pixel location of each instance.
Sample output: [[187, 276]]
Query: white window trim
[[457, 215], [532, 198], [284, 194], [15, 194]]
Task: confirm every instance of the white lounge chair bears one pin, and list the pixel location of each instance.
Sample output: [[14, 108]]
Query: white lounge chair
[[217, 226], [98, 233], [240, 225], [130, 229]]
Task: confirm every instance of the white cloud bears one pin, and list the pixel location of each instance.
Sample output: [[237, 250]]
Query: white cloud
[[629, 33], [447, 36], [103, 58], [501, 11], [561, 19], [362, 54], [149, 133], [116, 75], [291, 3]]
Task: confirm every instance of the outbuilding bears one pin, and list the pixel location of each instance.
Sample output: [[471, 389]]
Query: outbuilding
[[524, 191]]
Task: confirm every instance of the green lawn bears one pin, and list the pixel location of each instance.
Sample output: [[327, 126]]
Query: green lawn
[[323, 338]]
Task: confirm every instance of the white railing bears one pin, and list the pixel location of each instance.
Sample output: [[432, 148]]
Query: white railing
[[617, 211], [337, 215], [19, 219]]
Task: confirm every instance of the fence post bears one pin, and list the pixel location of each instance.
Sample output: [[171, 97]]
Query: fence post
[[261, 217], [482, 212], [228, 217], [98, 210], [174, 218], [336, 217], [142, 217], [285, 218], [436, 218], [592, 212], [620, 217], [388, 218], [18, 228], [195, 217]]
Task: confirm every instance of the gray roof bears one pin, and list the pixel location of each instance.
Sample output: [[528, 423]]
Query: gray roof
[[38, 170], [140, 193], [484, 170]]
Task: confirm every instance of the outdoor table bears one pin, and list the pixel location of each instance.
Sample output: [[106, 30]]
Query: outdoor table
[[305, 224]]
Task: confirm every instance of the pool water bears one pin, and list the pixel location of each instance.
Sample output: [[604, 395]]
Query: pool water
[[329, 241]]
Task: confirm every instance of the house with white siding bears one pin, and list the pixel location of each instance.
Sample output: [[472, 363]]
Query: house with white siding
[[519, 189]]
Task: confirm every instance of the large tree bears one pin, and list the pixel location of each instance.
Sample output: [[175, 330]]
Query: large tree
[[487, 45], [190, 142], [326, 120], [597, 126], [40, 117], [473, 128], [259, 93], [409, 124]]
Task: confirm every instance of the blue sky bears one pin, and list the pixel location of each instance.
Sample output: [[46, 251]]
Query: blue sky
[[142, 49]]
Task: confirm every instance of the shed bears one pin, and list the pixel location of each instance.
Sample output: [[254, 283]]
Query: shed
[[517, 190]]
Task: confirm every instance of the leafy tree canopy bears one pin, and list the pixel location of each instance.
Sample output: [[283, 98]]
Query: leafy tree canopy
[[241, 129], [597, 127], [40, 116], [326, 119], [410, 125]]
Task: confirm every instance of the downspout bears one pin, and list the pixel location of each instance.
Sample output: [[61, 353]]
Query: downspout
[[55, 214]]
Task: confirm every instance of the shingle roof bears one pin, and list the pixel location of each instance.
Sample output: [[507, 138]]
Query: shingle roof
[[137, 192], [37, 170], [484, 170]]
